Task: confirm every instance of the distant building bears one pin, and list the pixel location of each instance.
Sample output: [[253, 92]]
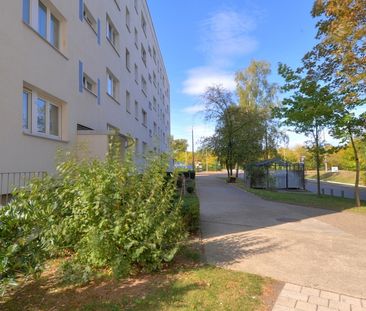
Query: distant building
[[73, 71]]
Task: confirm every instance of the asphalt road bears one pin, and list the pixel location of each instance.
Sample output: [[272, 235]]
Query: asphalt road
[[307, 246], [327, 187]]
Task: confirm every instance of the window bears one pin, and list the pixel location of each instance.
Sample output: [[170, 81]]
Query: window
[[150, 105], [154, 78], [55, 32], [112, 85], [143, 54], [27, 100], [136, 6], [42, 20], [26, 11], [150, 133], [144, 85], [90, 19], [128, 60], [41, 116], [128, 19], [89, 84], [143, 23], [128, 102], [144, 148], [136, 110], [150, 79], [154, 103], [111, 128], [154, 55], [155, 128], [144, 118], [54, 120], [136, 39], [112, 34], [136, 74]]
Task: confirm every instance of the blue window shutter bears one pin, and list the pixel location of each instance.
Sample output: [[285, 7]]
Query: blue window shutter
[[81, 74], [98, 25], [98, 86], [81, 9], [26, 11]]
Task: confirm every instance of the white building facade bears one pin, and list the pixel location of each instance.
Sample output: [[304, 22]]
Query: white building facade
[[72, 71]]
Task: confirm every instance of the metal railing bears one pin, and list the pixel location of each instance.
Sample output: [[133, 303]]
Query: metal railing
[[10, 181]]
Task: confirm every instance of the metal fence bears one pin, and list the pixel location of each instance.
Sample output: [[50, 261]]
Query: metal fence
[[10, 181]]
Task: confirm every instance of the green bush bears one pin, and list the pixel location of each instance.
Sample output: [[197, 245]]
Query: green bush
[[191, 212], [102, 212], [190, 186]]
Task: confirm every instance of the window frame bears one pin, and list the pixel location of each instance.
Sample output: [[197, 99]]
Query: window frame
[[115, 85]]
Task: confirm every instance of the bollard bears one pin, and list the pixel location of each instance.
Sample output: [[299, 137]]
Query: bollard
[[323, 192], [342, 193], [331, 192]]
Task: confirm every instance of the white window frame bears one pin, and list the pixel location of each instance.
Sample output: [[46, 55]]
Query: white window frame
[[32, 114], [128, 60], [113, 92], [90, 20], [128, 19], [128, 101], [87, 81], [112, 34]]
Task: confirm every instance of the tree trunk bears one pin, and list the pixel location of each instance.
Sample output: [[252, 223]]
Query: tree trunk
[[237, 170], [317, 160], [357, 161], [227, 168]]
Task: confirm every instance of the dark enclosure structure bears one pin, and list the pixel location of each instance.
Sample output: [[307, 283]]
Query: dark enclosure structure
[[275, 174]]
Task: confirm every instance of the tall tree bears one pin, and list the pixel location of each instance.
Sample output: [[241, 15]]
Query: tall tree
[[218, 103], [255, 92], [308, 110], [339, 60]]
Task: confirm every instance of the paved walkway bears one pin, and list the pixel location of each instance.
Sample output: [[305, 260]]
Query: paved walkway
[[295, 297], [312, 247]]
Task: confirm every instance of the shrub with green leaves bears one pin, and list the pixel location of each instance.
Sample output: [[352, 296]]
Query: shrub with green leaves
[[105, 214]]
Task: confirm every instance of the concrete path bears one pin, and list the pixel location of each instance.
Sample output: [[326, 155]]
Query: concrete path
[[312, 247], [337, 188]]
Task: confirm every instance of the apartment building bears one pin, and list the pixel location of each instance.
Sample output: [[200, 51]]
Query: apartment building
[[73, 71]]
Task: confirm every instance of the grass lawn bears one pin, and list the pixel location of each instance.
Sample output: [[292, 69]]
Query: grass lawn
[[187, 284], [347, 177], [307, 199]]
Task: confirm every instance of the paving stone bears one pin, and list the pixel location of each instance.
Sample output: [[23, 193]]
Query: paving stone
[[329, 295], [294, 295], [342, 306], [321, 308], [310, 291], [282, 308], [319, 301], [292, 287], [286, 301], [305, 306], [351, 300], [357, 308]]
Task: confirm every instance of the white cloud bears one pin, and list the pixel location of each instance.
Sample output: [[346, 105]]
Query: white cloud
[[226, 34], [199, 79], [194, 109]]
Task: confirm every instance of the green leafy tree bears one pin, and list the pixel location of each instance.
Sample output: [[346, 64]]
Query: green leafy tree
[[308, 110], [338, 59], [256, 93]]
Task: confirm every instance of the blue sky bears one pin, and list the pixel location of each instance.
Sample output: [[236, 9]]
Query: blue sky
[[205, 42]]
